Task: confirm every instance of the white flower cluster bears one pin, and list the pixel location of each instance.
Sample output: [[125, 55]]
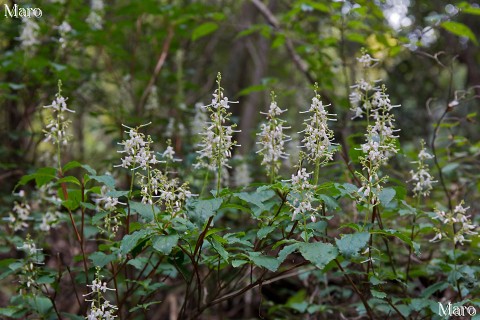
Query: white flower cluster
[[56, 130], [422, 178], [200, 119], [48, 201], [380, 144], [29, 35], [217, 138], [460, 219], [95, 17], [318, 140], [156, 187], [50, 219], [29, 247], [169, 153], [29, 272], [272, 139], [241, 174], [137, 151], [152, 101], [63, 29], [303, 195], [17, 219], [168, 193], [109, 204], [100, 307]]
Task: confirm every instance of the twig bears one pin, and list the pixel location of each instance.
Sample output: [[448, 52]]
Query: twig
[[156, 71]]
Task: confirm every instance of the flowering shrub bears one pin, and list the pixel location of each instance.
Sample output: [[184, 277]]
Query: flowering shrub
[[365, 240]]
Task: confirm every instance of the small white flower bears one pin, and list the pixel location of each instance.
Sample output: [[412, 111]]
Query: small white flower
[[318, 140], [29, 34], [217, 138], [367, 61], [272, 139]]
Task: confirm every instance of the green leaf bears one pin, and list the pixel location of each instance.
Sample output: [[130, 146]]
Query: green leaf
[[164, 244], [258, 199], [144, 210], [117, 194], [459, 29], [350, 244], [264, 231], [201, 210], [267, 262], [386, 195], [237, 263], [378, 294], [69, 179], [130, 240], [286, 251], [217, 245], [100, 259], [250, 89], [107, 180], [319, 253], [89, 169], [44, 175], [439, 286], [469, 9], [204, 30], [71, 165]]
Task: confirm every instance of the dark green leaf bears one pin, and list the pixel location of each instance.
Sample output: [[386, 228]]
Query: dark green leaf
[[350, 244], [217, 245], [267, 262], [201, 210], [130, 240], [164, 244], [107, 180], [100, 259], [319, 253], [264, 231], [386, 195], [69, 179], [204, 30]]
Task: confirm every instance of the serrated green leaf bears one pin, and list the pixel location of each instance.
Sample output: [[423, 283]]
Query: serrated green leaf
[[164, 244], [130, 240], [267, 262], [264, 231], [378, 294], [318, 253], [203, 30], [459, 29], [286, 251], [350, 244], [201, 210]]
